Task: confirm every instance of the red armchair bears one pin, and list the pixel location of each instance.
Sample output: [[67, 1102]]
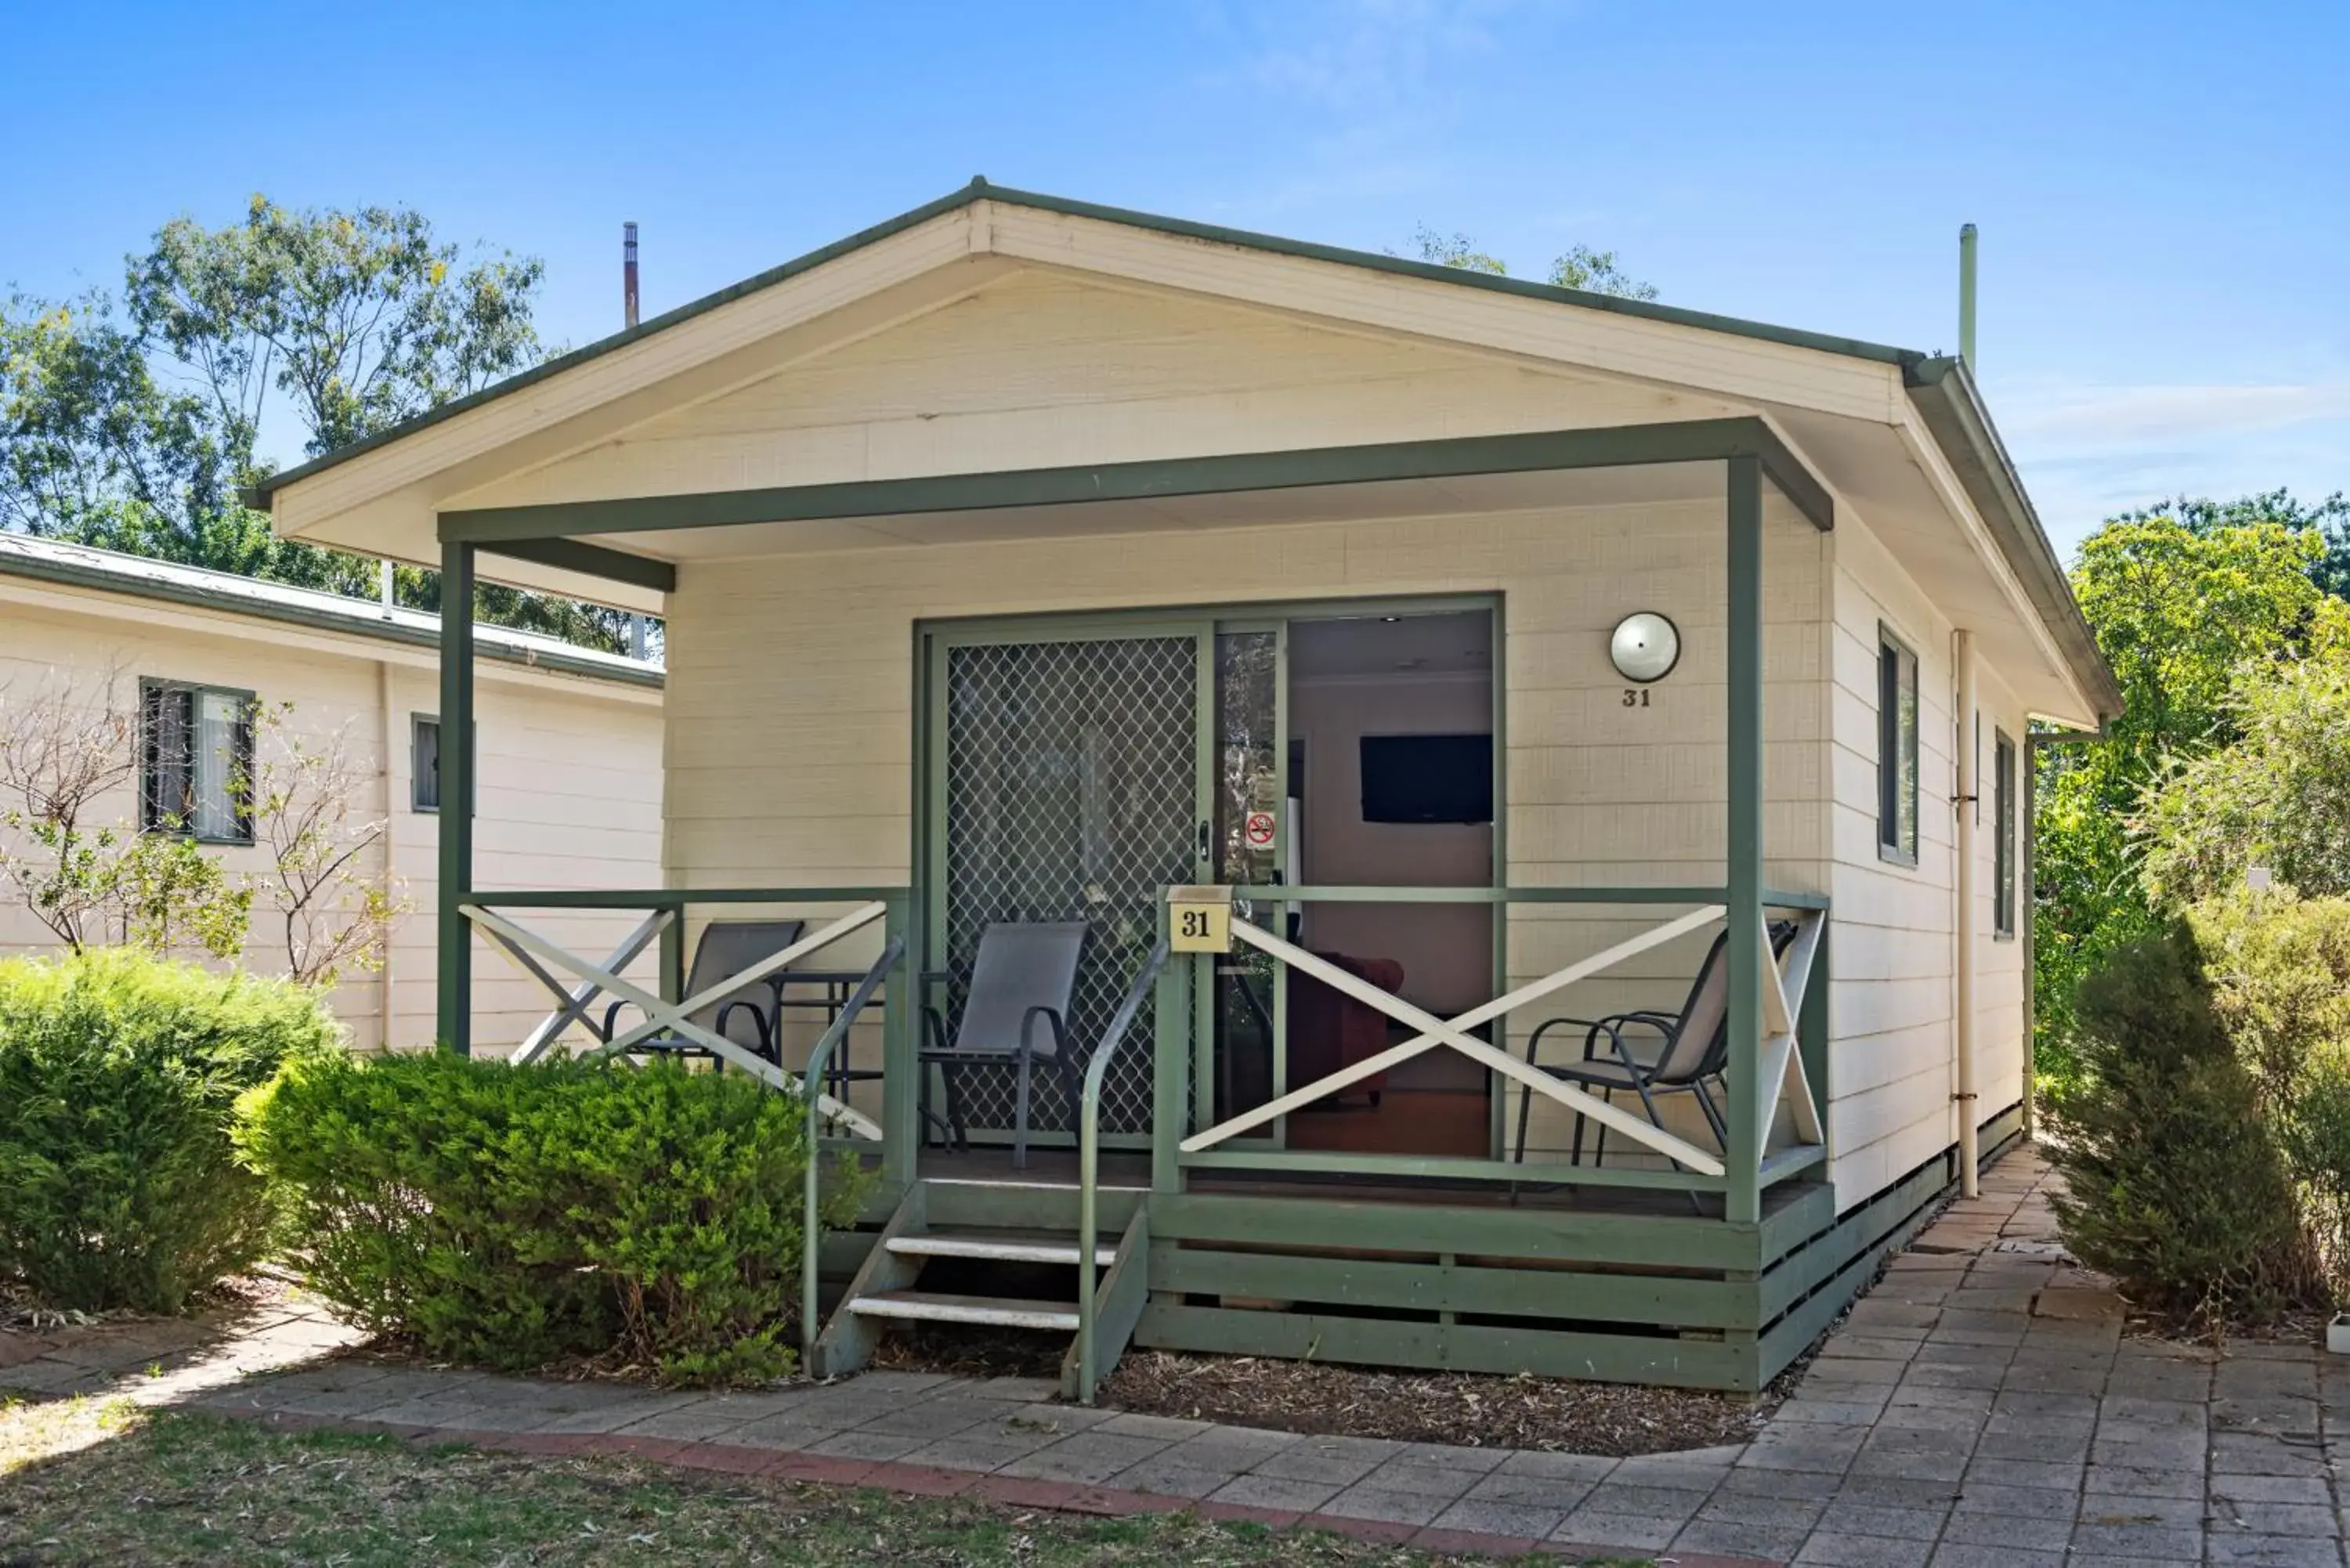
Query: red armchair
[[1329, 1029]]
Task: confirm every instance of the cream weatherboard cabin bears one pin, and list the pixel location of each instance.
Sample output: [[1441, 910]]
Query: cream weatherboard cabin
[[1364, 664], [569, 742]]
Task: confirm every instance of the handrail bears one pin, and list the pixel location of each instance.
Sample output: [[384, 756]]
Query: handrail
[[671, 898], [1122, 1023], [892, 952]]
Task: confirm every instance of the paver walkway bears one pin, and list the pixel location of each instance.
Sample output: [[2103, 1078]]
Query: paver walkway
[[1979, 1408]]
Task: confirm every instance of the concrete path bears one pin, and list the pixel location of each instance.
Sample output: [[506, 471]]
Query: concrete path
[[1978, 1407]]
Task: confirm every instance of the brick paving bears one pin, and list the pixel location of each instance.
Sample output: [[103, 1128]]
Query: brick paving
[[1980, 1407]]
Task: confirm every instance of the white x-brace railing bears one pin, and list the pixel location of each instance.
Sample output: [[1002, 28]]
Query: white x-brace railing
[[674, 1018], [1779, 1060]]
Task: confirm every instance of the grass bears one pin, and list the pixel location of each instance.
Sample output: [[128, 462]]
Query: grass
[[108, 1482]]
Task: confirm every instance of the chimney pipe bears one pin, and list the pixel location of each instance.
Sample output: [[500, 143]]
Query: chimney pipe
[[628, 274], [1966, 294]]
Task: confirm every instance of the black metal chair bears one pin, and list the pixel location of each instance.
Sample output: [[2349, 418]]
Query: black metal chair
[[727, 946], [1022, 976], [1689, 1050]]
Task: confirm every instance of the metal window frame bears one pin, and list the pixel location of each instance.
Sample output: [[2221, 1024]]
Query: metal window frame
[[1895, 747], [248, 701], [416, 802], [2006, 757]]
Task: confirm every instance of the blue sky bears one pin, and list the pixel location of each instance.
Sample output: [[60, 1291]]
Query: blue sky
[[2163, 189]]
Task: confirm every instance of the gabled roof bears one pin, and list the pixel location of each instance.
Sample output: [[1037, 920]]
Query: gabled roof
[[139, 576], [979, 190], [1939, 388]]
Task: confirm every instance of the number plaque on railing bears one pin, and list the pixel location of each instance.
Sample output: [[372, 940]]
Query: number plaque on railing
[[1200, 920]]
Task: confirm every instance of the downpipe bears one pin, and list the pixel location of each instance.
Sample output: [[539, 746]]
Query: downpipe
[[1963, 1031]]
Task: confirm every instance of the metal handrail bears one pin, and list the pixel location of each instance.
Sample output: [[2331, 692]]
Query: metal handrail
[[892, 952], [1122, 1023]]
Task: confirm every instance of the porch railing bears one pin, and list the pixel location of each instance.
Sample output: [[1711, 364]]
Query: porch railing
[[1121, 1025], [1781, 1075], [668, 1013]]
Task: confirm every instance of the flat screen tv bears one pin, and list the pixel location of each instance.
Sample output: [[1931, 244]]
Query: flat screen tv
[[1428, 778]]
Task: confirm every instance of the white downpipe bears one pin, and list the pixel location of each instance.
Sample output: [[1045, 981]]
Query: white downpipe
[[1963, 1031], [387, 995]]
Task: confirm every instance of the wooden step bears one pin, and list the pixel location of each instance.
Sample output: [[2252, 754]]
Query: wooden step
[[1002, 1311], [1001, 1246]]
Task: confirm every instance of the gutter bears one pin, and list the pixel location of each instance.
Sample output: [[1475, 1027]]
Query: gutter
[[1946, 397], [359, 623]]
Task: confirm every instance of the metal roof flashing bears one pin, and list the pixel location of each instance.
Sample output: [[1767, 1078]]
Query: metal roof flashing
[[70, 564]]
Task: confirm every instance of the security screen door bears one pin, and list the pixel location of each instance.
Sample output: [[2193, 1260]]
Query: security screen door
[[1071, 783]]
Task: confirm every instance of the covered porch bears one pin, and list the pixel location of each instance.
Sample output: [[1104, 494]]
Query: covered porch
[[1192, 1213]]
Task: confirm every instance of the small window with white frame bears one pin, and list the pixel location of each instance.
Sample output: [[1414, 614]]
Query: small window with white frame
[[2004, 846], [1897, 750], [195, 761]]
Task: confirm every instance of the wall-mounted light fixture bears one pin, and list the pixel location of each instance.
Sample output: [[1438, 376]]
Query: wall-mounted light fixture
[[1645, 647]]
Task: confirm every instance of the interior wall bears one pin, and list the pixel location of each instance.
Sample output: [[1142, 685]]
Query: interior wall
[[1446, 951]]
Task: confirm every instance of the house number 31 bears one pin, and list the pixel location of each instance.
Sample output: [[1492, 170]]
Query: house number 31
[[1635, 696]]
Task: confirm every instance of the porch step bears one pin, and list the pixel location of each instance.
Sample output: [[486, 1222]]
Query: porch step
[[999, 1246], [1002, 1311]]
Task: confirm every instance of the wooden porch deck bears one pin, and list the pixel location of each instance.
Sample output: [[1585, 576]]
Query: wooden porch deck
[[1058, 1167]]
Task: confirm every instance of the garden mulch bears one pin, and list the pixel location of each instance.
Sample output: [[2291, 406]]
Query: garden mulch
[[1323, 1399]]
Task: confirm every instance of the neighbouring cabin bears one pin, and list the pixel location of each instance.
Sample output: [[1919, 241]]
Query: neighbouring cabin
[[569, 782], [1291, 802]]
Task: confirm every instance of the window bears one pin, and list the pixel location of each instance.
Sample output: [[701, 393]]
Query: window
[[195, 761], [2002, 817], [424, 763], [1897, 750]]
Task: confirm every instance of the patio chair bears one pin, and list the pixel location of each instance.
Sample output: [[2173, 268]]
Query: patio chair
[[1015, 1011], [1689, 1050], [747, 1015]]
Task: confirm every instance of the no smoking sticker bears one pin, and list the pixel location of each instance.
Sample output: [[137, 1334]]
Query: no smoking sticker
[[1258, 830]]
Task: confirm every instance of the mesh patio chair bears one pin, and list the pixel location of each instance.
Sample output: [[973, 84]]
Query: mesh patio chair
[[1015, 1011], [745, 1015], [1677, 1052]]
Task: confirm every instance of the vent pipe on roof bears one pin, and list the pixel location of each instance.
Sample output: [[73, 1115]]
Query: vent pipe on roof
[[629, 275], [628, 312], [1966, 294]]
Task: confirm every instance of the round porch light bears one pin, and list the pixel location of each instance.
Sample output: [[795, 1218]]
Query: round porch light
[[1645, 647]]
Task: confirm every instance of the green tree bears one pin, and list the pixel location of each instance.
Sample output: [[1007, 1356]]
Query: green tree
[[1597, 271], [136, 429], [2177, 613], [1593, 271], [360, 319], [2279, 796]]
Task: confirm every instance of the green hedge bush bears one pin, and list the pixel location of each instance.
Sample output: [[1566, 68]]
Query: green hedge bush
[[509, 1216], [2176, 1184], [119, 1072]]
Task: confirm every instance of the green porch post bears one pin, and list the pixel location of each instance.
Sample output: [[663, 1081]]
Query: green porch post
[[457, 939], [1743, 1198]]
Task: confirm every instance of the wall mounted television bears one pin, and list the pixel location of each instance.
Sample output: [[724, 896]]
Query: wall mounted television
[[1428, 778]]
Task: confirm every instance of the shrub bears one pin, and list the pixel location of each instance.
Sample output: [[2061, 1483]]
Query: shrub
[[2177, 1184], [119, 1074], [510, 1216], [2280, 967]]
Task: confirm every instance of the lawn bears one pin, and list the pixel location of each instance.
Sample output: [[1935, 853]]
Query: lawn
[[86, 1482]]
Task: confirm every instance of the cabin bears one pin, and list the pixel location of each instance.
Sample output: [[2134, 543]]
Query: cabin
[[567, 787], [1288, 801]]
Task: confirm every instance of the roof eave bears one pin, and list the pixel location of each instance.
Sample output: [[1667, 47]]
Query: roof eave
[[1946, 396], [77, 574]]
